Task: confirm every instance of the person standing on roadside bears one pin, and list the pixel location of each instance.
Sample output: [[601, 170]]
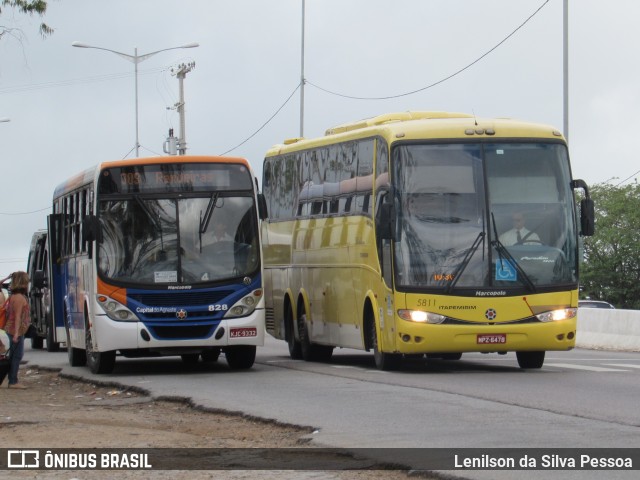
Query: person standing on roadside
[[18, 320], [3, 347]]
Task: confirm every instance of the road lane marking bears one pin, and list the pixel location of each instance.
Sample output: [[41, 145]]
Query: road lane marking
[[583, 367], [624, 365]]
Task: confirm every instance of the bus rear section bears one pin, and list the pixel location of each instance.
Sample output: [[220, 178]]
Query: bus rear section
[[165, 260]]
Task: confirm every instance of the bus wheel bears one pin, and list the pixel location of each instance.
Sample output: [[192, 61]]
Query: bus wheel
[[312, 352], [211, 355], [240, 357], [384, 361], [305, 343], [37, 342], [52, 345], [77, 357], [190, 358], [530, 359], [98, 362], [295, 349]]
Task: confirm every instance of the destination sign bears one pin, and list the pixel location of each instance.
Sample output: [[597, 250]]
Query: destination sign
[[175, 177]]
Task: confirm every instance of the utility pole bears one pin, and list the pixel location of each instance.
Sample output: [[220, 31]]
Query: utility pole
[[135, 59], [302, 79], [565, 61], [181, 73]]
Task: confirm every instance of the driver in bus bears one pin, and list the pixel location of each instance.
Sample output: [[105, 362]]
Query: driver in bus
[[221, 231], [519, 234]]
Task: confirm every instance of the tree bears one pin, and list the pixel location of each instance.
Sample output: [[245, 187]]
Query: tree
[[611, 270], [29, 7]]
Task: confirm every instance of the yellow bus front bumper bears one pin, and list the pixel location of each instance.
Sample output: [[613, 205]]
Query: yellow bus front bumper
[[416, 338]]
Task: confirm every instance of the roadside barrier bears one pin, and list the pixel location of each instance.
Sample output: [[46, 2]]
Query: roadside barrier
[[608, 329]]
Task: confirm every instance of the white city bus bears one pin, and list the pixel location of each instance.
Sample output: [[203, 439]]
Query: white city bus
[[137, 268]]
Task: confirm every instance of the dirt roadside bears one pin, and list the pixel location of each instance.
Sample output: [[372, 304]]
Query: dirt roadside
[[109, 416]]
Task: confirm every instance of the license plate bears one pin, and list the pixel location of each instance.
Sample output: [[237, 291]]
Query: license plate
[[493, 338], [243, 332]]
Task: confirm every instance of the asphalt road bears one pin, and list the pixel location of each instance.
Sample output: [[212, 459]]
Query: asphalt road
[[579, 399]]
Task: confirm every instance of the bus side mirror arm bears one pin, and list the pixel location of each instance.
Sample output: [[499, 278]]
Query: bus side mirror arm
[[587, 209], [90, 227], [39, 279], [262, 207], [90, 232], [386, 221]]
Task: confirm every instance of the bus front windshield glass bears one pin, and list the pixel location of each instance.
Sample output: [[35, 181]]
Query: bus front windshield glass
[[486, 216], [173, 241]]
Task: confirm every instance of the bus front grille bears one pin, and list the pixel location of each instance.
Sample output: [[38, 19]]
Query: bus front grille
[[181, 332], [180, 299]]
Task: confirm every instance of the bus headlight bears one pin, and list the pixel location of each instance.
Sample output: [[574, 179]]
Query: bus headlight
[[557, 315], [245, 306], [115, 310], [421, 316]]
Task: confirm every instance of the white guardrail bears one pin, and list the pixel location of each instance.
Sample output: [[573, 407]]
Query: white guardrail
[[608, 329]]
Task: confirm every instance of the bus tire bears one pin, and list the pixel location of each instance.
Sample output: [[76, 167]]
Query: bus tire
[[530, 359], [98, 362], [312, 352], [77, 357], [101, 362], [295, 349], [190, 358], [384, 361], [305, 342], [211, 355], [240, 357], [52, 345], [37, 342]]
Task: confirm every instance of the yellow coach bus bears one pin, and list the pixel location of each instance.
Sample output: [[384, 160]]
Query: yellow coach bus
[[424, 233]]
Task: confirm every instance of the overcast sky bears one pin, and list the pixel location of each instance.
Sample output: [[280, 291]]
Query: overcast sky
[[70, 108]]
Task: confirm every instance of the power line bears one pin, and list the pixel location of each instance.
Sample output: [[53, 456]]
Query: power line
[[439, 81], [25, 213], [12, 260], [265, 123], [75, 81], [628, 178]]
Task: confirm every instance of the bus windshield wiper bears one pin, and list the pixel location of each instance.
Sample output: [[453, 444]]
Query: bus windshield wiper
[[204, 221], [465, 261], [502, 251]]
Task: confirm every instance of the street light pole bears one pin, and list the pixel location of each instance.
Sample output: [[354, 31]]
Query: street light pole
[[135, 59]]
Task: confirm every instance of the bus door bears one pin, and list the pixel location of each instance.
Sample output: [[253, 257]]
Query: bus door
[[56, 280]]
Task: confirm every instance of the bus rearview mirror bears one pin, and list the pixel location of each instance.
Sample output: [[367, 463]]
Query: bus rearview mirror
[[587, 217]]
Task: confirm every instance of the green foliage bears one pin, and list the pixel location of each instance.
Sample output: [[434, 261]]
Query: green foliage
[[611, 270], [29, 7]]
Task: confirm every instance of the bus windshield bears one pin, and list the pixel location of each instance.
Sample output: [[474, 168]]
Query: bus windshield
[[176, 240], [473, 216]]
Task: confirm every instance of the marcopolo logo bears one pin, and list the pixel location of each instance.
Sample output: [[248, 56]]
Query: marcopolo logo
[[23, 459]]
